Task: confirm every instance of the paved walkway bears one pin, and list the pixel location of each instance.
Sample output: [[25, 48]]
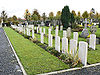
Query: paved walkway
[[8, 62], [95, 70]]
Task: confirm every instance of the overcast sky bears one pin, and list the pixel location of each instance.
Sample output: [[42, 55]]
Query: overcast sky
[[18, 7]]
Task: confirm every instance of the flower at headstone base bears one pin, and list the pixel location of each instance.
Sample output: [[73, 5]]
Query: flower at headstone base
[[88, 36]]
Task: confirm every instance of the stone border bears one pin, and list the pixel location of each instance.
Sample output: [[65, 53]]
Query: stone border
[[21, 66], [72, 69]]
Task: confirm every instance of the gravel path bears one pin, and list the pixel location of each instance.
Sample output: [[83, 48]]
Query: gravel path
[[8, 62], [94, 70]]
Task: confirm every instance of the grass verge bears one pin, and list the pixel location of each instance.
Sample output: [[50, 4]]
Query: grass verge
[[34, 59]]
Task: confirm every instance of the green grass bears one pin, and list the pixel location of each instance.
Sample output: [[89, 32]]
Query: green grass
[[94, 55], [34, 59]]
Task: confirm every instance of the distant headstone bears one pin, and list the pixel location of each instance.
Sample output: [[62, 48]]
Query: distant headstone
[[93, 29], [64, 45], [85, 32], [49, 31], [92, 42], [64, 33], [82, 54], [42, 38], [42, 24], [44, 30], [35, 28], [73, 47], [75, 36], [27, 31], [56, 34], [69, 32], [49, 37], [61, 27], [50, 40], [40, 30], [58, 43], [57, 27]]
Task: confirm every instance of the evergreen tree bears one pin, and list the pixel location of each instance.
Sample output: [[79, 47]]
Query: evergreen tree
[[72, 18], [65, 17]]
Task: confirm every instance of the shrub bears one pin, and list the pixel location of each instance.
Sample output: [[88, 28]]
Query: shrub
[[63, 56]]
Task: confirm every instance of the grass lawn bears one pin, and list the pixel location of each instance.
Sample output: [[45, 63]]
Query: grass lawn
[[34, 59]]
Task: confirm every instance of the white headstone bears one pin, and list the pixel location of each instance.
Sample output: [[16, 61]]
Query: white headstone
[[69, 32], [32, 33], [49, 31], [64, 45], [58, 43], [75, 36], [57, 27], [44, 30], [64, 33], [92, 42], [50, 40], [56, 34], [35, 28], [27, 31], [42, 38], [61, 27], [73, 47], [82, 54], [40, 30]]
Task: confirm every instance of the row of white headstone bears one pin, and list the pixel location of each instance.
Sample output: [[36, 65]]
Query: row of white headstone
[[83, 46]]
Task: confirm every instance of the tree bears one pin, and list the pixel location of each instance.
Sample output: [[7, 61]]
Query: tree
[[4, 16], [34, 17], [66, 17], [96, 15], [27, 15], [72, 18], [35, 12], [14, 18], [44, 17], [85, 15], [51, 16], [79, 14], [73, 12], [58, 15]]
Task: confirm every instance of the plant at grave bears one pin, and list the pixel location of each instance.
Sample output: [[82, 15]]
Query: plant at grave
[[26, 36], [55, 52], [63, 56], [49, 48], [74, 60], [20, 32], [34, 40], [39, 44]]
